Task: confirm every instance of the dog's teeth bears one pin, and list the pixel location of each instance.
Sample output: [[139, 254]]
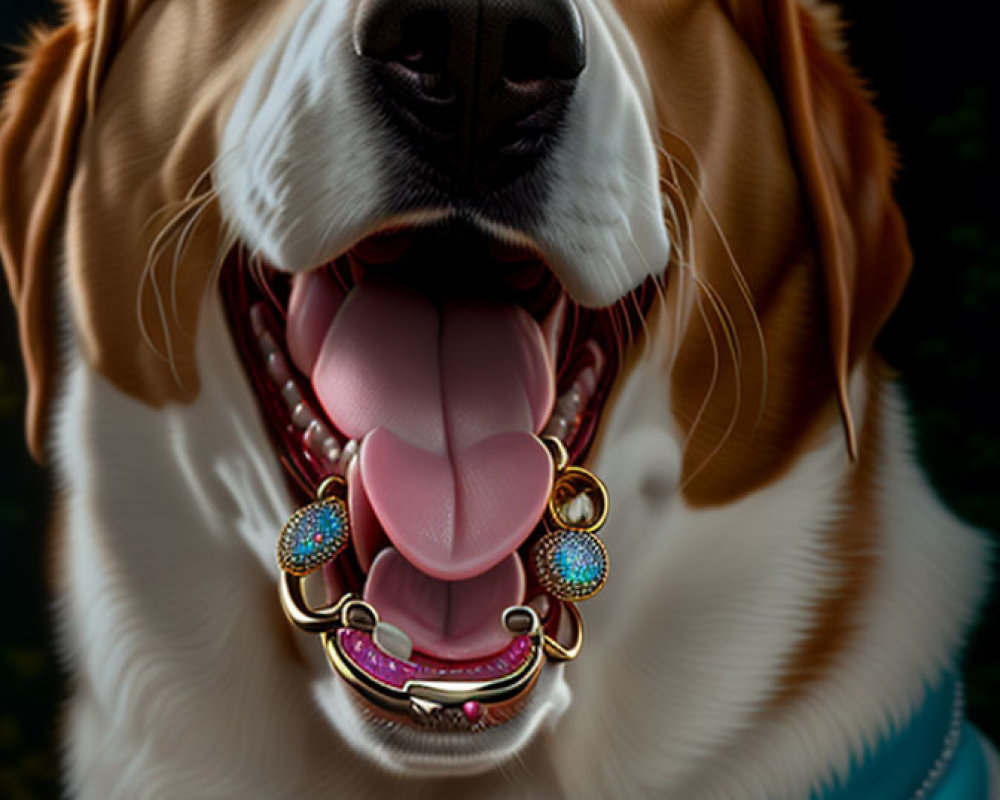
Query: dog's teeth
[[588, 377], [331, 449], [569, 404], [586, 382], [392, 641], [277, 368], [290, 392], [578, 510], [347, 455], [552, 327], [557, 427], [316, 436], [266, 344], [257, 319], [302, 416]]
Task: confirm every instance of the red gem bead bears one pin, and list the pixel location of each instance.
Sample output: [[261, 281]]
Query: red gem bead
[[473, 711]]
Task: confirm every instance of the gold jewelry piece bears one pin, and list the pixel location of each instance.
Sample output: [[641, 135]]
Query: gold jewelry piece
[[578, 501], [317, 533], [570, 565], [570, 562], [421, 692], [558, 652]]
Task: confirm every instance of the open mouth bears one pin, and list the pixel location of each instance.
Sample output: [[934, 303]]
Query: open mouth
[[423, 365]]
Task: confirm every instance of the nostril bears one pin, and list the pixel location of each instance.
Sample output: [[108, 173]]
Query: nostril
[[524, 52], [410, 48], [423, 46], [479, 88], [415, 57], [393, 31], [532, 51]]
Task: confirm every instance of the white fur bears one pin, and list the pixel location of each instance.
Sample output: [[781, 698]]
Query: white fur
[[715, 600], [300, 173], [186, 685], [189, 683], [184, 672], [602, 230]]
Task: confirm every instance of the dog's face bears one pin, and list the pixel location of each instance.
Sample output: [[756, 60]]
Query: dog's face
[[443, 182], [447, 228]]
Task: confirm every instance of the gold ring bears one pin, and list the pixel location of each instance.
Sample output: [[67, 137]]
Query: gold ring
[[334, 485], [311, 620], [556, 651]]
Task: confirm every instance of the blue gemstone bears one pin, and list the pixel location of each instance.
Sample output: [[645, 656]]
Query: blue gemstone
[[313, 536], [571, 565]]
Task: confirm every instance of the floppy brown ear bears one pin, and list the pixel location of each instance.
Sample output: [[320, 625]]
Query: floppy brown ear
[[43, 112], [845, 166]]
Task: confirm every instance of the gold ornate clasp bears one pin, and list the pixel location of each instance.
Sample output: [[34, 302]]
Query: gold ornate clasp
[[376, 659]]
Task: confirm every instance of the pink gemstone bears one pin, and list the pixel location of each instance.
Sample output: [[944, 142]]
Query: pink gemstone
[[473, 711], [318, 538]]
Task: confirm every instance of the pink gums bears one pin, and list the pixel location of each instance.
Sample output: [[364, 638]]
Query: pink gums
[[360, 649]]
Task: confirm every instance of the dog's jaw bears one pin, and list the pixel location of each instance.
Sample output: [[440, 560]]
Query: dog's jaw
[[219, 666], [585, 375], [408, 751]]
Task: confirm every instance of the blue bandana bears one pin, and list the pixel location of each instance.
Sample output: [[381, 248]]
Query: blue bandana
[[937, 755]]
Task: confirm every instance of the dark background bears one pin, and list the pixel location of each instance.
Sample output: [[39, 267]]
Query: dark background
[[933, 68]]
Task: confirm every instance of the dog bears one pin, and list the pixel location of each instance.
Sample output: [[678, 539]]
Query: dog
[[253, 244]]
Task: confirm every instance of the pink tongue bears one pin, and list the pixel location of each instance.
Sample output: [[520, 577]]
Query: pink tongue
[[445, 398], [452, 620]]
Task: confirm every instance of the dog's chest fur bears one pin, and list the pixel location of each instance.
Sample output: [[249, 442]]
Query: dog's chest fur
[[214, 697]]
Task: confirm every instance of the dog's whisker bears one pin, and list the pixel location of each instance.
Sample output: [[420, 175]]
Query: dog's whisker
[[178, 227], [695, 176], [710, 391], [183, 238], [148, 279], [737, 396], [680, 223], [729, 330]]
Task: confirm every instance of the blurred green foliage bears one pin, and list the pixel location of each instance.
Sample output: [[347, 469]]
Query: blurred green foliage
[[934, 77]]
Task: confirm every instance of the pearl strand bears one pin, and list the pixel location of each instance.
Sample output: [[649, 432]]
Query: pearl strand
[[948, 749]]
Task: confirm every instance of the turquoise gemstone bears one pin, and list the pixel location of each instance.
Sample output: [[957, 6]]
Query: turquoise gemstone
[[313, 536], [571, 565]]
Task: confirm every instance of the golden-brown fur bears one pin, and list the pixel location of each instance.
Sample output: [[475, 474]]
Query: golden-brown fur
[[785, 171]]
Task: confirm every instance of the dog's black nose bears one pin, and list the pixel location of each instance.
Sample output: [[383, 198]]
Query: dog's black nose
[[479, 87]]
